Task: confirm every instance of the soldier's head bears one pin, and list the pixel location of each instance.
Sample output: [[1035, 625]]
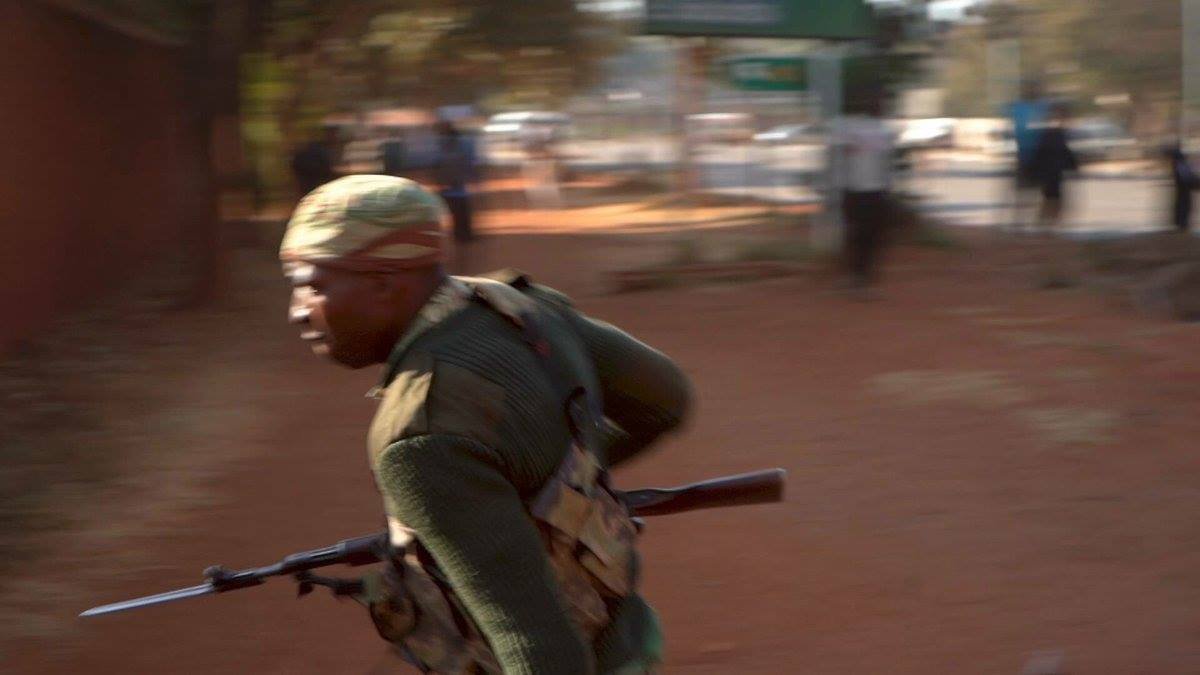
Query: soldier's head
[[363, 254]]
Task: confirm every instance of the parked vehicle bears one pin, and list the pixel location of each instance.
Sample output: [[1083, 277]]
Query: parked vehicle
[[514, 128], [721, 127], [1002, 143], [927, 133], [1102, 140], [791, 134]]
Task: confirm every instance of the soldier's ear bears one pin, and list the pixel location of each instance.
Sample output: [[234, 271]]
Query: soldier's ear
[[390, 288], [383, 285]]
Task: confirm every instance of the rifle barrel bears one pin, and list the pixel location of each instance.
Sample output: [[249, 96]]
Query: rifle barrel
[[759, 487]]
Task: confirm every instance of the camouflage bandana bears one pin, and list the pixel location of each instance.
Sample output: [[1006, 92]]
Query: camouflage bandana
[[366, 223]]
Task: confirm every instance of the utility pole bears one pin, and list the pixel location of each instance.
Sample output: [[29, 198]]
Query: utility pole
[[827, 83], [1189, 69], [689, 95]]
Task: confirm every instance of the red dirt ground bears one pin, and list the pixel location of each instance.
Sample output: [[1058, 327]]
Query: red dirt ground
[[978, 471]]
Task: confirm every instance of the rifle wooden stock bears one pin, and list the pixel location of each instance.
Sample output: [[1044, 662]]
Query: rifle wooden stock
[[758, 487]]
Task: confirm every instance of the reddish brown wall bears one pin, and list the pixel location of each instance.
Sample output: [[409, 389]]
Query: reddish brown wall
[[89, 122]]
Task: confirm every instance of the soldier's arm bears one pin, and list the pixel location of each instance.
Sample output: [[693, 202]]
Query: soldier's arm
[[451, 491], [645, 393]]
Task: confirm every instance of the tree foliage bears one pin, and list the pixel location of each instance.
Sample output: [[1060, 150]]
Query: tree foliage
[[317, 57], [1079, 49], [339, 54], [425, 54]]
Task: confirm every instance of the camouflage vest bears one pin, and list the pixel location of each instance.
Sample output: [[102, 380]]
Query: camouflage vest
[[587, 531]]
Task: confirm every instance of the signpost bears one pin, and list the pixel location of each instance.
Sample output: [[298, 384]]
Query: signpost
[[814, 19], [834, 20]]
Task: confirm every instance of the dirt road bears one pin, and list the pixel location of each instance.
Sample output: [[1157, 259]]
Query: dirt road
[[977, 472]]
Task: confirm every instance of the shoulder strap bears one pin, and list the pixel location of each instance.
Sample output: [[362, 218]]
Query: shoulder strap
[[583, 408]]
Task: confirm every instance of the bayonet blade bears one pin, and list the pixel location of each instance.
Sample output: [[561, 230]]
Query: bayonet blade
[[169, 596]]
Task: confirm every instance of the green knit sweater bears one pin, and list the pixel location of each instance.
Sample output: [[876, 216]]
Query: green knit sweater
[[469, 428]]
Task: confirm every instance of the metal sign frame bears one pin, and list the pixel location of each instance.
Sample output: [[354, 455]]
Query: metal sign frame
[[804, 19]]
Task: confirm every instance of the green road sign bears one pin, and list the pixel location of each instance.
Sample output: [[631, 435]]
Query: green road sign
[[768, 73], [816, 19]]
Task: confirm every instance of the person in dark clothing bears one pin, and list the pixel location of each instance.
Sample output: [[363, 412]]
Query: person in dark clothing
[[313, 164], [1052, 160], [454, 171], [1028, 117], [392, 153], [1184, 180], [474, 440], [866, 147], [866, 216]]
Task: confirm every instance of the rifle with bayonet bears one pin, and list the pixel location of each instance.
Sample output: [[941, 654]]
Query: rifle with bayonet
[[759, 487]]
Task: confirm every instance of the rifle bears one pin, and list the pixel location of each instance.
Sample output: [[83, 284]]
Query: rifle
[[759, 487]]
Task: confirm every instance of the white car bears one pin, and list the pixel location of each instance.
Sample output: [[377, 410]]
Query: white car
[[930, 133], [720, 127], [1099, 140], [791, 134], [515, 127]]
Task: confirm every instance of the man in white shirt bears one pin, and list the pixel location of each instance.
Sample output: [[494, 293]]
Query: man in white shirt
[[865, 146]]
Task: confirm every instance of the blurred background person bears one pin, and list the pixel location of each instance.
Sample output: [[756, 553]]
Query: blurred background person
[[455, 169], [1183, 181], [867, 148], [1027, 115], [393, 153], [540, 168], [314, 163], [1052, 160]]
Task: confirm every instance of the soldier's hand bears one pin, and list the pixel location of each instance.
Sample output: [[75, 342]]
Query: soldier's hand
[[386, 600], [339, 587]]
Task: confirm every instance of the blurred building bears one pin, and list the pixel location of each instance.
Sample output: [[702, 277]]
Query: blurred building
[[89, 182]]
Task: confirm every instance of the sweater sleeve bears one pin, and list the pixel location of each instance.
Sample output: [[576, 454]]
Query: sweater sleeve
[[451, 491], [645, 394]]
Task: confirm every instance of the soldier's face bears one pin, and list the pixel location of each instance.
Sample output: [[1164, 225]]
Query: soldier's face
[[345, 316]]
